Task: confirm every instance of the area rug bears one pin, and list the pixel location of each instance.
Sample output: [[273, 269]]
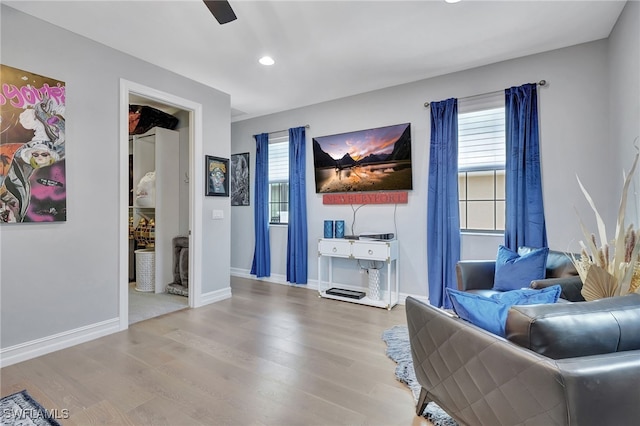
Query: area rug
[[399, 350], [20, 409]]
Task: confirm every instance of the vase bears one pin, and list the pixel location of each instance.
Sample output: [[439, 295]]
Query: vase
[[328, 229], [374, 284]]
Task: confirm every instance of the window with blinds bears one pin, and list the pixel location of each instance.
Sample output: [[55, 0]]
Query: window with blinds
[[278, 179], [481, 163]]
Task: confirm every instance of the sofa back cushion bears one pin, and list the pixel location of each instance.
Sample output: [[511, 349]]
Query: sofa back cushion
[[559, 264], [567, 330]]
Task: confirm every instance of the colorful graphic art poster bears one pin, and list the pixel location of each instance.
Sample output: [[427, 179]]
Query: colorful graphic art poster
[[32, 148]]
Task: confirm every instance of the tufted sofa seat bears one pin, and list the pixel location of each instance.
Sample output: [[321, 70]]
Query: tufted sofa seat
[[561, 364]]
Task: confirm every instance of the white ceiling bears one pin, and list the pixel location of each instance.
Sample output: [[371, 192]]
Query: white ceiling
[[326, 50]]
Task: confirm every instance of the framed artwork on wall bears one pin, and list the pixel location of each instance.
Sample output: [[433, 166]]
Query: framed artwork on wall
[[240, 179], [217, 176], [33, 177], [376, 159]]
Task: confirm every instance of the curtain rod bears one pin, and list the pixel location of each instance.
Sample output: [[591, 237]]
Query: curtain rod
[[306, 126], [540, 83]]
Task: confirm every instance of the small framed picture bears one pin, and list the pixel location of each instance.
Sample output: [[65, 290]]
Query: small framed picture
[[240, 179], [217, 176]]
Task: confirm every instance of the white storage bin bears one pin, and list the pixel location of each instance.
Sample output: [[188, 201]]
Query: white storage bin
[[145, 269]]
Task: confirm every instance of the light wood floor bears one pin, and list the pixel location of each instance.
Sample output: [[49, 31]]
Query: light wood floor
[[270, 355]]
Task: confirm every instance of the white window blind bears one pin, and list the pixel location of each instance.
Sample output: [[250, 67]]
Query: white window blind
[[279, 159], [481, 132], [279, 179]]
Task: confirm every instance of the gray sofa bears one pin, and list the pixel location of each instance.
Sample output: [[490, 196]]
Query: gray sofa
[[476, 276], [561, 364]]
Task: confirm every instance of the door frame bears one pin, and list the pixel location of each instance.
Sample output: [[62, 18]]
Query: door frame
[[196, 186]]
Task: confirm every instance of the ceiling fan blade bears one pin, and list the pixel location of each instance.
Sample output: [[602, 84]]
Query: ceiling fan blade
[[221, 10]]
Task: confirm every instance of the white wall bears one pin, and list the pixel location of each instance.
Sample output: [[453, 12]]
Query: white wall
[[624, 82], [574, 134], [64, 276]]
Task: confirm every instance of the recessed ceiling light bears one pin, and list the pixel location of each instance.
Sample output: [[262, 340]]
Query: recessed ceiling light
[[452, 1], [266, 60]]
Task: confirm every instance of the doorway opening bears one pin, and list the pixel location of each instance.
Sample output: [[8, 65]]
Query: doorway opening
[[159, 162], [185, 217]]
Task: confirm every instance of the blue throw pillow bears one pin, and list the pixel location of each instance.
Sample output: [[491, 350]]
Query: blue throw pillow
[[490, 313], [529, 296], [514, 272]]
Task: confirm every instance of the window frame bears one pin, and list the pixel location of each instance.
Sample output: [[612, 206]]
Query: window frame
[[495, 200]]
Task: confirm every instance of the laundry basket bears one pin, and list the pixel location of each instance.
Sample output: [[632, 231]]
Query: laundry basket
[[145, 270]]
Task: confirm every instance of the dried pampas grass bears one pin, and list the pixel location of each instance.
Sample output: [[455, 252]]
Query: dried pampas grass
[[606, 274]]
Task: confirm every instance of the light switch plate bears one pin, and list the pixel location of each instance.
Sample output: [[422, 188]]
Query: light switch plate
[[217, 214]]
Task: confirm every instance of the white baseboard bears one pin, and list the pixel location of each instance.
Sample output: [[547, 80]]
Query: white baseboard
[[312, 284], [274, 278], [214, 296], [35, 348], [56, 342]]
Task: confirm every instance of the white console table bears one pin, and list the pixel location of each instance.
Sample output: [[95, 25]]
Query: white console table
[[376, 250]]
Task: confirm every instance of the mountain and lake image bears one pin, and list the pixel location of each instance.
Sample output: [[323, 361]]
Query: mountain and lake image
[[367, 160]]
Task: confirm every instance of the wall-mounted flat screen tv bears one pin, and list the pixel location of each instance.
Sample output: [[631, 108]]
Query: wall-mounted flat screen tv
[[367, 160]]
